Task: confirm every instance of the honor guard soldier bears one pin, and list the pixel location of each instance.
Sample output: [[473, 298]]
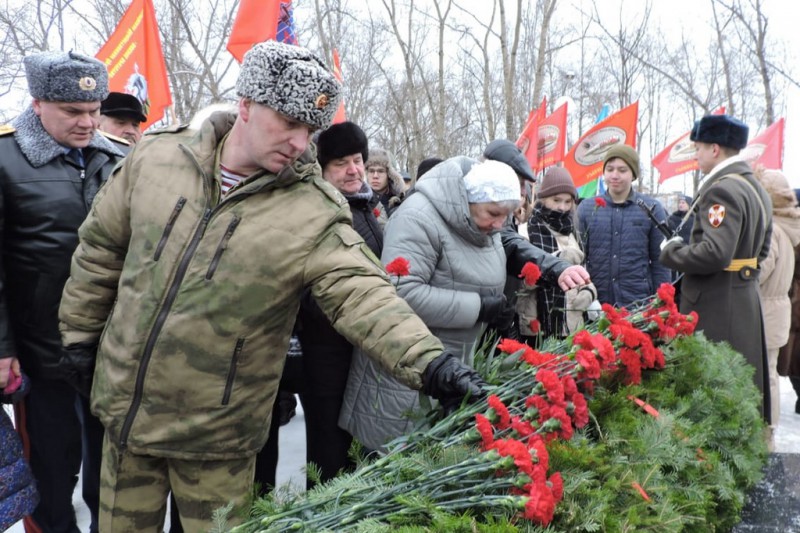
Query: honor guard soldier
[[730, 237]]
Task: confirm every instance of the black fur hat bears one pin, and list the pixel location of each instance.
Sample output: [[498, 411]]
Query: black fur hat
[[340, 140], [722, 130]]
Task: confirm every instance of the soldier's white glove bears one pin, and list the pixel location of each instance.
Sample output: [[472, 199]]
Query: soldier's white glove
[[677, 239]]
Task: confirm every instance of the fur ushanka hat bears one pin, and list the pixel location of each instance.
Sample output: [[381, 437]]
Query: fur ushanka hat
[[66, 77], [291, 80], [340, 140]]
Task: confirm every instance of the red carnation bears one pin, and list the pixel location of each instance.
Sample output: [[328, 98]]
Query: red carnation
[[535, 326], [398, 267], [600, 202], [557, 486], [541, 505], [485, 429], [530, 273], [502, 411], [376, 212]]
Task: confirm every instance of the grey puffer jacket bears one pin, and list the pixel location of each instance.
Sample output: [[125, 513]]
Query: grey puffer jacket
[[452, 265]]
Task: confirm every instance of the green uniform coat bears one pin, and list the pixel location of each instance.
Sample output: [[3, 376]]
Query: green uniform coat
[[727, 303], [196, 298]]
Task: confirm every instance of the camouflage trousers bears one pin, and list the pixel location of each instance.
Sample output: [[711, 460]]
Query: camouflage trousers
[[134, 490]]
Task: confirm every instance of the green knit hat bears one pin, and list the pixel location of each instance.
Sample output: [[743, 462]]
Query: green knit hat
[[627, 154]]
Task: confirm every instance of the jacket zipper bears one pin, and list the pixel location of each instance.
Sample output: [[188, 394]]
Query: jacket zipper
[[168, 228], [226, 396], [223, 245]]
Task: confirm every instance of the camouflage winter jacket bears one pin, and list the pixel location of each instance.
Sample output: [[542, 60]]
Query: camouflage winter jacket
[[196, 297]]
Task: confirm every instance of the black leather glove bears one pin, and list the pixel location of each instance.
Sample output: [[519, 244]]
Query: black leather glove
[[76, 366], [496, 312], [449, 380]]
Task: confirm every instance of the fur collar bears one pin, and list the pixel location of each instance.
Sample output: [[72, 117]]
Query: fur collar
[[40, 148]]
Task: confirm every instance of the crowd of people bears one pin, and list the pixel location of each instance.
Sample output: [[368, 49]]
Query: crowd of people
[[165, 298]]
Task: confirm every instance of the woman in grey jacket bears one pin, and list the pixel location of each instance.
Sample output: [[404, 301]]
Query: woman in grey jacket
[[448, 232]]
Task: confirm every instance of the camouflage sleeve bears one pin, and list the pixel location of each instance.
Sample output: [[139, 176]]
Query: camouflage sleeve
[[91, 289], [354, 292], [718, 244]]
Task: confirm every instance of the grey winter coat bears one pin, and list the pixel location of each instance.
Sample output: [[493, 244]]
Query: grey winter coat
[[452, 265]]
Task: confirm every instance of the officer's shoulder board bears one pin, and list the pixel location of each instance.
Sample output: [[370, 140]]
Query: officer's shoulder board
[[114, 138], [6, 129]]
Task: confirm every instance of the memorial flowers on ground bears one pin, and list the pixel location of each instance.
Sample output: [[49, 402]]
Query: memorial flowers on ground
[[492, 461]]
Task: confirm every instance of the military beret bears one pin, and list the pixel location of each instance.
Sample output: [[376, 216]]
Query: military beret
[[66, 77], [123, 105], [722, 130], [291, 80]]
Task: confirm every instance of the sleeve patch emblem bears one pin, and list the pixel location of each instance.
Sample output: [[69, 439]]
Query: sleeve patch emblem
[[716, 214]]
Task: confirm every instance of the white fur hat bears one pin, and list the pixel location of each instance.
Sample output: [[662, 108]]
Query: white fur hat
[[291, 80]]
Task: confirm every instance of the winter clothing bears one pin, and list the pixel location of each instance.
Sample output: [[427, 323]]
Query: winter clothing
[[123, 105], [675, 220], [491, 181], [291, 80], [45, 198], [395, 192], [196, 324], [732, 230], [627, 154], [65, 77], [426, 165], [340, 140], [720, 129], [622, 246], [557, 181], [507, 152], [777, 271], [554, 232], [452, 265], [18, 495]]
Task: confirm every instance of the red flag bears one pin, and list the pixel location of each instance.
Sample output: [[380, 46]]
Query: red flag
[[340, 116], [528, 141], [767, 148], [256, 22], [135, 61], [552, 138], [585, 159], [678, 157]]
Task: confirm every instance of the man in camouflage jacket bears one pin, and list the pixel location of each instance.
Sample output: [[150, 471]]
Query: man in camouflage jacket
[[196, 290]]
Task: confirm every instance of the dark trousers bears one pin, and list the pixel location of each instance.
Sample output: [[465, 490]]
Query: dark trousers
[[326, 443], [92, 432], [49, 423]]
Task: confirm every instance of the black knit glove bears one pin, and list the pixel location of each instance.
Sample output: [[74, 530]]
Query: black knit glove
[[496, 312], [449, 380], [76, 366]]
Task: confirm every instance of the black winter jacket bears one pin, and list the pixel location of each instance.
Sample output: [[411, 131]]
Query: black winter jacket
[[44, 198]]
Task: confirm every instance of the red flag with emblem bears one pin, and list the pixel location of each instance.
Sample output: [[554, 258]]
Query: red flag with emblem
[[585, 159], [256, 22], [678, 157], [552, 138], [340, 116], [135, 61], [767, 148], [528, 141]]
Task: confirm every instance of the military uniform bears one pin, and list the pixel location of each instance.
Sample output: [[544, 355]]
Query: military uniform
[[47, 192], [730, 236]]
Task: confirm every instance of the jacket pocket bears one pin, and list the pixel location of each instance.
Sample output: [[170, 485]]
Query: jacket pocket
[[221, 247], [237, 352], [168, 228]]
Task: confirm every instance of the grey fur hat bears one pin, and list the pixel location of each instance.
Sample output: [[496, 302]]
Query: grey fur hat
[[66, 77], [291, 80], [381, 157]]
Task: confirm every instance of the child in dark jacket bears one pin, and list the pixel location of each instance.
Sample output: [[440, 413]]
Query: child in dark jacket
[[18, 496]]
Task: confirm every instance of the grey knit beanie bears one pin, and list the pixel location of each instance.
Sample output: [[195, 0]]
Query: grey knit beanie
[[556, 181], [291, 80], [66, 77]]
